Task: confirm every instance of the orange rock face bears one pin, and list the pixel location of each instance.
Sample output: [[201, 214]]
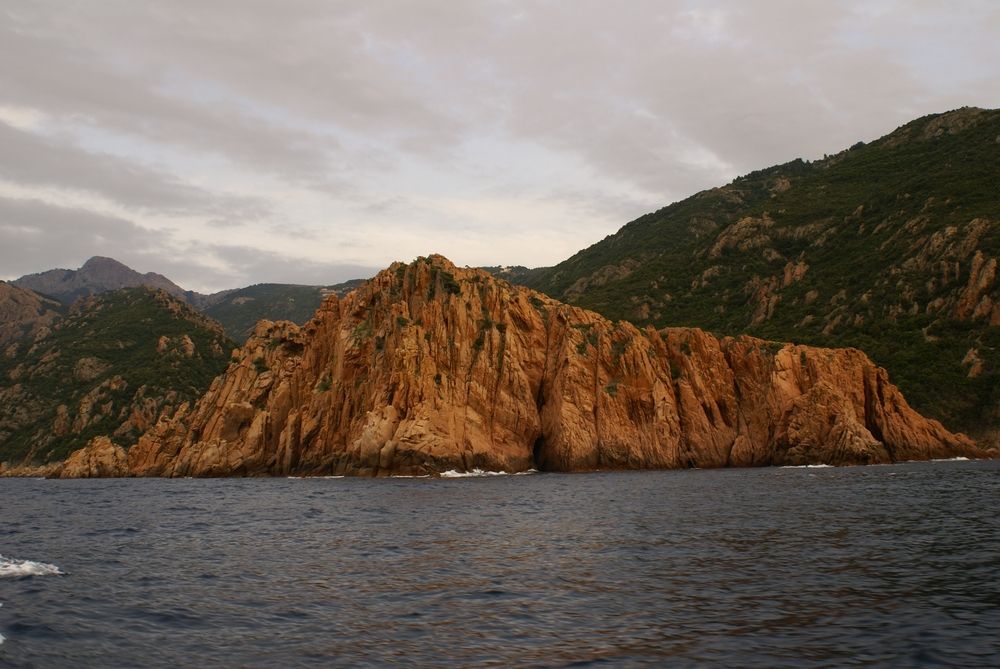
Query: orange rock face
[[430, 367], [98, 459]]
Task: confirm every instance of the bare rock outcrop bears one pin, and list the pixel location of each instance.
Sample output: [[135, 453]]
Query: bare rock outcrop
[[49, 470], [975, 301], [98, 459], [430, 367]]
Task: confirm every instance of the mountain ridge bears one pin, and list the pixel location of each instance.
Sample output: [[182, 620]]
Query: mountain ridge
[[111, 366], [24, 315], [98, 274], [890, 246], [237, 309]]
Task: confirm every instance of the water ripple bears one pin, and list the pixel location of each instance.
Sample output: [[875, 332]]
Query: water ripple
[[822, 567]]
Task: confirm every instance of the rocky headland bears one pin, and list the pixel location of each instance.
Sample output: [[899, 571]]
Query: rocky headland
[[430, 367]]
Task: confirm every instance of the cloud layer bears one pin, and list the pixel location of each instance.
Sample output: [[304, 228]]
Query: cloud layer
[[244, 141]]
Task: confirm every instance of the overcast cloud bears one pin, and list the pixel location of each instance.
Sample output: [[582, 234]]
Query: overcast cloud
[[235, 142]]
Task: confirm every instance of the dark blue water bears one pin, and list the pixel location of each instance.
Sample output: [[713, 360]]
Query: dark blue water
[[889, 566]]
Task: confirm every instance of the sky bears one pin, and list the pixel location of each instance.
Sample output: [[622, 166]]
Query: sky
[[234, 142]]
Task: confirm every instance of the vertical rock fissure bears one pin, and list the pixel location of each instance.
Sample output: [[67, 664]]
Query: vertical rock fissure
[[538, 459], [597, 400], [741, 419], [870, 415], [499, 376]]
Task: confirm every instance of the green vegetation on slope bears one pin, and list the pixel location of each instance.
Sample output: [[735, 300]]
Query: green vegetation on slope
[[108, 368], [511, 273], [239, 310], [889, 247], [24, 314]]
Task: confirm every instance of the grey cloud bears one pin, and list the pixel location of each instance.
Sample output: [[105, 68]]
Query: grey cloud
[[252, 265], [317, 58], [71, 82], [37, 161], [601, 204], [635, 91], [245, 266], [240, 80], [394, 204], [635, 113], [37, 236], [641, 102]]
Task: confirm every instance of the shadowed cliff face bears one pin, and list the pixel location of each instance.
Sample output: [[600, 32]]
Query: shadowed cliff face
[[430, 367]]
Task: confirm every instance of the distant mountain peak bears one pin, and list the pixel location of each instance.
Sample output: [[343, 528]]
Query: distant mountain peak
[[100, 262], [237, 309], [99, 274]]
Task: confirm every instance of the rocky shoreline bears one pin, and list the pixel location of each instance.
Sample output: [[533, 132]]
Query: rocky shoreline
[[430, 368]]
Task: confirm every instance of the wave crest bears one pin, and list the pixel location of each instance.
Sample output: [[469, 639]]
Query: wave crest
[[805, 467], [455, 474], [13, 568]]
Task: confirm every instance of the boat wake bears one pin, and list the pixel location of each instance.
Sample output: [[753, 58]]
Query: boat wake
[[12, 568]]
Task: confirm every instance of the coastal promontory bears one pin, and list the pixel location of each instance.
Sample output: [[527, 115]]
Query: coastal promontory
[[430, 367]]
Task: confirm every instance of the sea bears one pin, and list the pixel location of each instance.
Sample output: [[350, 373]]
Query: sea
[[880, 566]]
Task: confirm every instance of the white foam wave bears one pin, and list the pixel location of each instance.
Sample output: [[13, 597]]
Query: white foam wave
[[805, 466], [11, 568], [455, 474], [1, 639], [960, 458]]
